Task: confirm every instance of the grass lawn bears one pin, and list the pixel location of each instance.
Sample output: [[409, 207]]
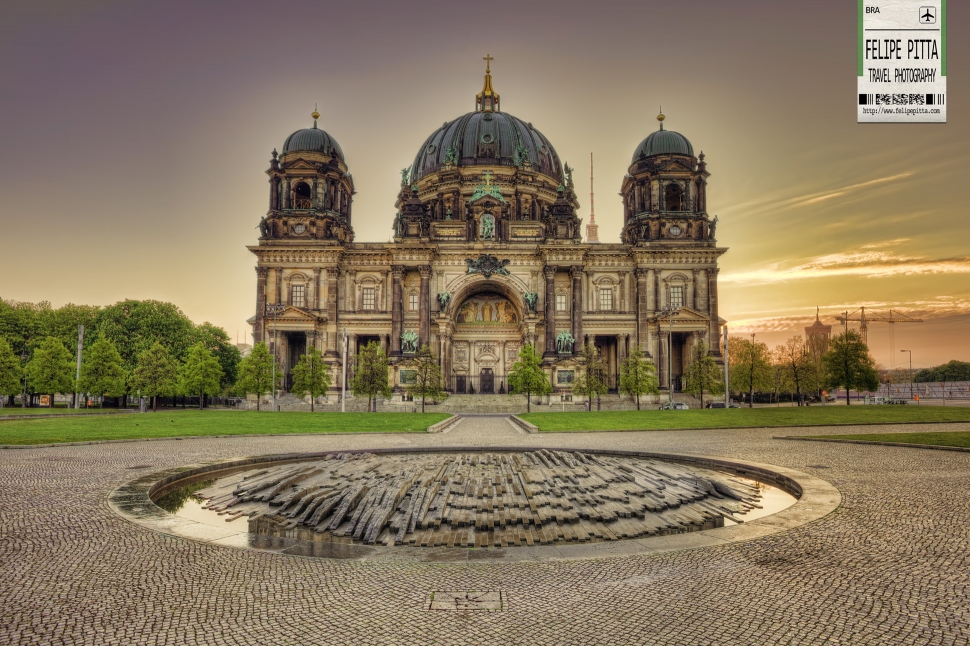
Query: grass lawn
[[196, 423], [647, 420], [952, 438]]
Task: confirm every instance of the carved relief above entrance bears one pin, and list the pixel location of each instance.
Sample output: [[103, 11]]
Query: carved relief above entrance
[[487, 309]]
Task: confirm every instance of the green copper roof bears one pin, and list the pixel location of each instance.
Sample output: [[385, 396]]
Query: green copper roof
[[312, 140], [486, 139], [664, 142]]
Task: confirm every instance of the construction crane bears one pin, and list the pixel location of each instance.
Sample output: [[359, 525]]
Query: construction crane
[[864, 320]]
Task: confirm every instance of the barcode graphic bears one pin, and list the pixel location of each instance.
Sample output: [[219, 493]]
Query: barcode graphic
[[902, 99]]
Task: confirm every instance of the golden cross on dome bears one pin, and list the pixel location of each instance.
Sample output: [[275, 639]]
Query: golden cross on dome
[[487, 176], [488, 62]]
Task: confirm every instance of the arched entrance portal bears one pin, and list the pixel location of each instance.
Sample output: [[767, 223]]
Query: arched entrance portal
[[486, 341]]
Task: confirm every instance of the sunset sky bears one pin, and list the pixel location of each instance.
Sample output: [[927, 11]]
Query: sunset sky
[[134, 139]]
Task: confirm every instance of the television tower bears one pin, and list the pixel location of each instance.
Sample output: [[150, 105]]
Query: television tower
[[592, 229]]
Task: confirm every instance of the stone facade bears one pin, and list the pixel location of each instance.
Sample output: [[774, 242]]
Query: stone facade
[[488, 256]]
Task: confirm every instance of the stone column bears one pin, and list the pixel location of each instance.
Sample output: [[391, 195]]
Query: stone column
[[261, 273], [550, 274], [691, 291], [316, 288], [576, 271], [424, 307], [397, 312], [386, 291], [278, 271], [702, 300], [713, 311], [620, 304], [274, 193], [644, 304], [662, 358], [332, 315], [621, 343]]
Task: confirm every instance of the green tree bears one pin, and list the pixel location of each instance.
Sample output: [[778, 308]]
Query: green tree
[[51, 370], [638, 376], [219, 344], [592, 382], [796, 366], [156, 374], [201, 374], [427, 377], [703, 374], [311, 375], [952, 371], [135, 326], [256, 373], [102, 370], [527, 376], [10, 372], [849, 365], [750, 367], [370, 375]]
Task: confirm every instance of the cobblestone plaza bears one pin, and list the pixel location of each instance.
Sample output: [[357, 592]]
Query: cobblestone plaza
[[888, 566]]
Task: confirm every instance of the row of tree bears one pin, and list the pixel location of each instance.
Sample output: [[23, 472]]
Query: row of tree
[[51, 369], [38, 344], [801, 369], [952, 371]]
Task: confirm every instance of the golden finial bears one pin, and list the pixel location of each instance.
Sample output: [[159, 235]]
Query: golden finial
[[488, 99], [661, 117], [315, 115]]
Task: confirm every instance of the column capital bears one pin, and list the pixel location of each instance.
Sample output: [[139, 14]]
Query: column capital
[[576, 271], [642, 274], [549, 272], [696, 271], [316, 271], [398, 270], [425, 271], [262, 272]]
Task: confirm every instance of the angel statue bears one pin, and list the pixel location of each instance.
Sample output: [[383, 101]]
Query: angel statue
[[569, 175], [405, 173], [531, 300]]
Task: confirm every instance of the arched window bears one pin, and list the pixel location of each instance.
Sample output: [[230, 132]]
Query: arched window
[[302, 197], [674, 197]]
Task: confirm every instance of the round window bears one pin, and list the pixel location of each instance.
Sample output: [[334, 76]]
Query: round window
[[431, 148], [487, 138], [487, 117], [299, 228], [675, 230], [544, 150]]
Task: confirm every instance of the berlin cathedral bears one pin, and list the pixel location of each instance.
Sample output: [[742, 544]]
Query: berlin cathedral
[[488, 255]]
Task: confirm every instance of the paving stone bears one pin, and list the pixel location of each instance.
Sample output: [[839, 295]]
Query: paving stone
[[890, 566]]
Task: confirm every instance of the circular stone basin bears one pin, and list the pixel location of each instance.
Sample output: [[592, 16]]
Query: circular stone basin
[[474, 499]]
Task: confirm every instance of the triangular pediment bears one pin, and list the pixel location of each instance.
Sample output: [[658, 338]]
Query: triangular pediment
[[688, 315], [676, 166], [294, 314], [300, 164]]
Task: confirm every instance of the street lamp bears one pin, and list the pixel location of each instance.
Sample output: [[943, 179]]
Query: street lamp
[[275, 309], [669, 312], [910, 372]]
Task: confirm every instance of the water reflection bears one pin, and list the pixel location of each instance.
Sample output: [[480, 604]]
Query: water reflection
[[175, 499], [772, 501]]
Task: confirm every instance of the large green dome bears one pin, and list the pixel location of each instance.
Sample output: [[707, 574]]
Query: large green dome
[[486, 138]]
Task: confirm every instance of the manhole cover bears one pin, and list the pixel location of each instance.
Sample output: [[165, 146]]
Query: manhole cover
[[476, 500], [461, 600]]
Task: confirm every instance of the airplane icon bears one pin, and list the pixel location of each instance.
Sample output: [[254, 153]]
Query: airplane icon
[[928, 15]]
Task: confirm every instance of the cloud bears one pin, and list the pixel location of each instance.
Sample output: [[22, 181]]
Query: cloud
[[937, 309], [870, 261], [815, 198]]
